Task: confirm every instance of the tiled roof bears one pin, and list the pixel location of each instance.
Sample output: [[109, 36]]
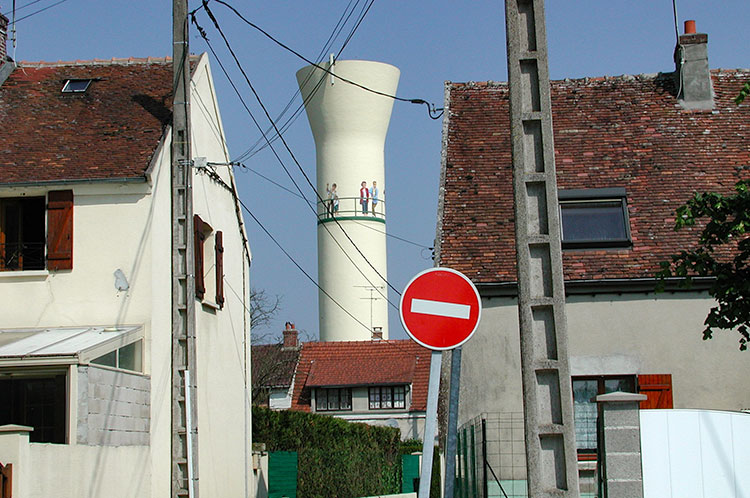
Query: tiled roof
[[627, 132], [110, 131], [358, 363], [273, 365]]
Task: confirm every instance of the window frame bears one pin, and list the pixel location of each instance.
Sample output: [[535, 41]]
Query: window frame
[[392, 391], [137, 346], [209, 261], [61, 402], [70, 83], [601, 389], [592, 198], [329, 391]]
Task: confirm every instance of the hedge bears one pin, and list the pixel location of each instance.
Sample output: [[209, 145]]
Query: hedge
[[336, 458]]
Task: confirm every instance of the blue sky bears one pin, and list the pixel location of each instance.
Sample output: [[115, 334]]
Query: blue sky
[[430, 42]]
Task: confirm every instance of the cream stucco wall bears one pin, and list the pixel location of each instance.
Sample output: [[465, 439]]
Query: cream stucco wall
[[126, 226], [611, 334]]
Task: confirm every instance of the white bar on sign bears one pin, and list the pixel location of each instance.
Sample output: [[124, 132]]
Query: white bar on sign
[[440, 308]]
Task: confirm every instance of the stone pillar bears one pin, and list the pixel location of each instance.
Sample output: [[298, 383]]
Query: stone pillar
[[14, 449], [620, 445]]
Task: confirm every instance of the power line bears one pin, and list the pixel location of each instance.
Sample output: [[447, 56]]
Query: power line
[[432, 111], [215, 177], [299, 166], [40, 10]]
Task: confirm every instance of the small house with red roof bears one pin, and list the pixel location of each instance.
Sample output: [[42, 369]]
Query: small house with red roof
[[86, 344], [379, 382], [628, 151]]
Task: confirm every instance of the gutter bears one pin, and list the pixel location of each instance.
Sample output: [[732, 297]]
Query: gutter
[[603, 286], [42, 183]]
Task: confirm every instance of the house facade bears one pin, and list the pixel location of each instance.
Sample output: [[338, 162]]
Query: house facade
[[628, 151], [374, 382], [85, 281]]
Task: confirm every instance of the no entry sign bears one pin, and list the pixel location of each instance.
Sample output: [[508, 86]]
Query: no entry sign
[[440, 308]]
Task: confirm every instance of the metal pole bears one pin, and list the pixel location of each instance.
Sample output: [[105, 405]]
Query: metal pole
[[450, 445], [430, 426]]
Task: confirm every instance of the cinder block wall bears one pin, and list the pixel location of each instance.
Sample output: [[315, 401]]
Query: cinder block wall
[[113, 407]]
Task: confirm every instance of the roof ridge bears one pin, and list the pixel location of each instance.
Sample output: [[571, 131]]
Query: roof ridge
[[114, 61]]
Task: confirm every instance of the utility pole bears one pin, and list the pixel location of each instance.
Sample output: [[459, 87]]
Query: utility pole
[[551, 463], [184, 459]]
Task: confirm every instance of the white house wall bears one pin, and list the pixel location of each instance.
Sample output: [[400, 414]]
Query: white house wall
[[223, 336], [610, 334]]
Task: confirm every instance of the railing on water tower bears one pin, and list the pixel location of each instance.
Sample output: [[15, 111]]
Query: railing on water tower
[[348, 208]]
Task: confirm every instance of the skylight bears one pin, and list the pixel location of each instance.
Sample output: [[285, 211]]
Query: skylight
[[76, 85]]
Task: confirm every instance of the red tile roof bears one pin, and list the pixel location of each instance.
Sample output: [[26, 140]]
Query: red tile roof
[[627, 132], [359, 363], [273, 365], [110, 131]]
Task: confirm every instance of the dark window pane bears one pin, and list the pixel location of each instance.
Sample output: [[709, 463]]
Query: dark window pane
[[593, 221], [36, 402], [108, 360], [585, 412]]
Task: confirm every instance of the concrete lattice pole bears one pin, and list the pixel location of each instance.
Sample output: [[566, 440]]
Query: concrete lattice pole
[[547, 393], [349, 124]]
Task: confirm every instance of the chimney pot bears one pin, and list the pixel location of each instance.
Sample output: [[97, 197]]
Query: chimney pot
[[690, 27]]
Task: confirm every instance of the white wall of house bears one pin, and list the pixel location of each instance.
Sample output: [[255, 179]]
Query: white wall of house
[[126, 226], [636, 333]]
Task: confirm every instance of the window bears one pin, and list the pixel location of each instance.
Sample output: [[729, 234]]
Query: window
[[339, 398], [127, 357], [383, 398], [23, 237], [586, 411], [38, 401], [209, 263], [594, 218], [76, 85]]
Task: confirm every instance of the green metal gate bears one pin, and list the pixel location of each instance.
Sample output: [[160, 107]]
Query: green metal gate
[[282, 474]]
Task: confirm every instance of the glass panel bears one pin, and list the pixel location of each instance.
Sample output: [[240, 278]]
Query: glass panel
[[321, 400], [624, 385], [590, 221], [346, 399], [108, 360], [374, 398], [585, 413], [387, 398], [129, 357], [399, 397], [333, 399]]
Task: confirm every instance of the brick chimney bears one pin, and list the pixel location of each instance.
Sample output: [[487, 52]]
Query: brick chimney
[[291, 337], [3, 38], [692, 72]]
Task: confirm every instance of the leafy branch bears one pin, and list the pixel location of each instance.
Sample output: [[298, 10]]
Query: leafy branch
[[722, 252]]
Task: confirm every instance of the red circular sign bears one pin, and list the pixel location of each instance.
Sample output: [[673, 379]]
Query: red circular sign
[[440, 308]]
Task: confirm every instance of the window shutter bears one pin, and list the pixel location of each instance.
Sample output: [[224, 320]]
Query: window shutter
[[220, 269], [658, 388], [60, 230], [200, 237]]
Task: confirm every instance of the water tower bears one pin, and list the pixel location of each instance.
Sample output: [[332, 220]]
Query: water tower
[[349, 124]]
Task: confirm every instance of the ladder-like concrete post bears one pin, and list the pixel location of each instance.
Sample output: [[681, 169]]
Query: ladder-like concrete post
[[620, 448], [551, 460]]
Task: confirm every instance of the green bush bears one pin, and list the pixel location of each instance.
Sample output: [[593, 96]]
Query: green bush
[[336, 458]]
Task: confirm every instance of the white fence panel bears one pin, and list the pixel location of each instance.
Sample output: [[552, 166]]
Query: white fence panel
[[695, 454]]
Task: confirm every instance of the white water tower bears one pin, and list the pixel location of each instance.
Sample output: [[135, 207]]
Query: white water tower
[[349, 124]]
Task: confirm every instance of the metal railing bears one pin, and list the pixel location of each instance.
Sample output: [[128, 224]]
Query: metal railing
[[348, 207], [22, 256]]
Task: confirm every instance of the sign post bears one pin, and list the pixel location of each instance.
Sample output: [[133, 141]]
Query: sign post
[[440, 309]]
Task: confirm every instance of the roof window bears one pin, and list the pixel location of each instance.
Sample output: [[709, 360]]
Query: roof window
[[594, 218], [76, 85]]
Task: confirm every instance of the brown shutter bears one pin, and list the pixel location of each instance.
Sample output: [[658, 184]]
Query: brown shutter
[[658, 388], [200, 237], [220, 269], [60, 230]]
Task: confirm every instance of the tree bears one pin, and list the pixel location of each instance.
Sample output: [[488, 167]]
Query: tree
[[743, 93], [722, 253], [262, 310]]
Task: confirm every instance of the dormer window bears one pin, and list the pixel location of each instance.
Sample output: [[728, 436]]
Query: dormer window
[[593, 218], [76, 85]]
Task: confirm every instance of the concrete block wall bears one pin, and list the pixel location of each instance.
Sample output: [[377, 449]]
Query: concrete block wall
[[114, 407]]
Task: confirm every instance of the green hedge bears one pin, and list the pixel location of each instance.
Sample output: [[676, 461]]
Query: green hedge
[[337, 459]]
